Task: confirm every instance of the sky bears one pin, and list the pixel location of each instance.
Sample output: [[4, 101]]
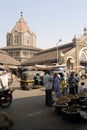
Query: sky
[[51, 20]]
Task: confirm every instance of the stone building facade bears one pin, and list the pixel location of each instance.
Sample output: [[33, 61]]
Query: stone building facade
[[21, 45], [73, 54]]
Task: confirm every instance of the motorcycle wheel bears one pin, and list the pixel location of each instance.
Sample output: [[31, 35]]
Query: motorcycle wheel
[[6, 101]]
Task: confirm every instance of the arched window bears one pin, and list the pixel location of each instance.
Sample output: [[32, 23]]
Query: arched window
[[70, 63], [15, 39], [26, 39], [83, 54]]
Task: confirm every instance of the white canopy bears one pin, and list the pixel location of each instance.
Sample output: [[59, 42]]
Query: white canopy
[[48, 67]]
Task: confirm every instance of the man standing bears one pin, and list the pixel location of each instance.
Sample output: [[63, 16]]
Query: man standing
[[1, 86], [4, 79], [48, 80], [71, 83]]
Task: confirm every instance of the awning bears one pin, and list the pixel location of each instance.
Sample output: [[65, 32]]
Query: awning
[[12, 66], [48, 67]]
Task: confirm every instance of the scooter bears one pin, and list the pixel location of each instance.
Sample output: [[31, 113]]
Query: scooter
[[6, 97]]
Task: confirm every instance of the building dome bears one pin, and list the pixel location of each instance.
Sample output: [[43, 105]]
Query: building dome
[[21, 26]]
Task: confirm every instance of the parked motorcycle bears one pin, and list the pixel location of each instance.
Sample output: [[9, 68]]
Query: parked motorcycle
[[6, 97]]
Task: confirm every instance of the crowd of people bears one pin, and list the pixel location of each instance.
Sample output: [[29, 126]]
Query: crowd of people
[[61, 84]]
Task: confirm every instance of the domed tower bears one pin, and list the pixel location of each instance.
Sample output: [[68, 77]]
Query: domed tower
[[21, 34], [21, 42]]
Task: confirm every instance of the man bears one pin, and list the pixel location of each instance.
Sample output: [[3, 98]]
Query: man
[[71, 82], [77, 78], [4, 80], [1, 86], [48, 80]]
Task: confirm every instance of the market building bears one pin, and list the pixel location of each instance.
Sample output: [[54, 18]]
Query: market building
[[73, 54], [21, 45]]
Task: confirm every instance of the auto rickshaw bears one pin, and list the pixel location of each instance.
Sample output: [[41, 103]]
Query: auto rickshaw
[[27, 80]]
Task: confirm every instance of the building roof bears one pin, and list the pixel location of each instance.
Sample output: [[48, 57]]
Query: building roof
[[48, 55], [21, 26], [64, 47], [6, 59], [41, 58], [21, 47]]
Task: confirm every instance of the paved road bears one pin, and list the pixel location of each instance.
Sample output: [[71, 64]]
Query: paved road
[[29, 112]]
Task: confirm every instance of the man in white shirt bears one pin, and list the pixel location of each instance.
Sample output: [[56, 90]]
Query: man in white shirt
[[48, 80], [5, 77], [5, 80], [1, 86]]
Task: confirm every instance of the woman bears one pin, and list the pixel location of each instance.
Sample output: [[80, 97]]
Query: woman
[[62, 83], [56, 85]]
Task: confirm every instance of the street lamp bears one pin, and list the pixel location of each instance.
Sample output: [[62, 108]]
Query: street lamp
[[57, 48]]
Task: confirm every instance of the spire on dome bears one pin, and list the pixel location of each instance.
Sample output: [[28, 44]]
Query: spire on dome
[[21, 14], [21, 25]]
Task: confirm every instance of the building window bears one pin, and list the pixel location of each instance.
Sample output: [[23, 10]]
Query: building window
[[83, 54], [10, 53], [26, 39], [15, 39], [31, 54], [16, 54], [26, 54]]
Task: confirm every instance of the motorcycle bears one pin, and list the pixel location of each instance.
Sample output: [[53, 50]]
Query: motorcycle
[[6, 97]]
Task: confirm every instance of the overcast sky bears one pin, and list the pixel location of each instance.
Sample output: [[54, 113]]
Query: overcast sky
[[49, 19]]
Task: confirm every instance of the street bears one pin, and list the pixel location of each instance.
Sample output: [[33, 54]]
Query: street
[[29, 112]]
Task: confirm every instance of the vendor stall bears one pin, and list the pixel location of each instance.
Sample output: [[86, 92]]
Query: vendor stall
[[72, 108]]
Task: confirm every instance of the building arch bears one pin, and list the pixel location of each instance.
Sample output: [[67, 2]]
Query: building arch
[[83, 58], [83, 54], [69, 63]]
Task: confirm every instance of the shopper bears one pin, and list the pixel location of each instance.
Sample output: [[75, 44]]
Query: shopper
[[71, 83], [56, 85], [77, 79], [4, 80], [6, 77], [62, 83], [1, 86], [47, 80]]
